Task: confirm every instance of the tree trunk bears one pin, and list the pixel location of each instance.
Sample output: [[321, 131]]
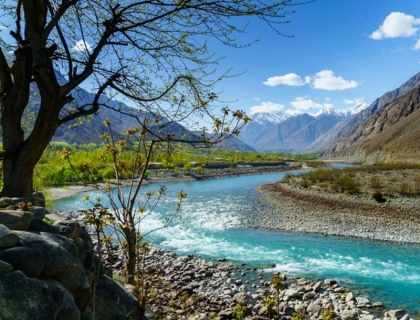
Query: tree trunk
[[131, 238]]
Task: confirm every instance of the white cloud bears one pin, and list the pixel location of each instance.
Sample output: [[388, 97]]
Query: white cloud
[[82, 46], [303, 103], [290, 79], [348, 101], [327, 99], [326, 80], [395, 25], [417, 45], [266, 107]]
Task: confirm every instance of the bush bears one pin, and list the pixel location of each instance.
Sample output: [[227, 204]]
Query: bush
[[378, 196], [346, 184], [108, 174], [405, 189]]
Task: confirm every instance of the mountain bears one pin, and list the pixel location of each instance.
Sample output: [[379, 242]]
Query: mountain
[[91, 129], [343, 138], [295, 134], [260, 122], [392, 133]]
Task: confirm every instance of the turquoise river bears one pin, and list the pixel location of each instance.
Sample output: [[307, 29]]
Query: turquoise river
[[210, 227]]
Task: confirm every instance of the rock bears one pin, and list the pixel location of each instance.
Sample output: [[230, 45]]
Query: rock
[[7, 238], [76, 282], [36, 199], [225, 314], [308, 295], [27, 260], [112, 302], [41, 226], [243, 297], [27, 298], [349, 297], [58, 251], [292, 293], [330, 282], [362, 302], [315, 309], [69, 310], [69, 229], [317, 286], [227, 266], [38, 212], [5, 267], [349, 315], [398, 313], [15, 220]]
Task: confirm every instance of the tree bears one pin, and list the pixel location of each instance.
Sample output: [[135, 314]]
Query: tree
[[152, 52]]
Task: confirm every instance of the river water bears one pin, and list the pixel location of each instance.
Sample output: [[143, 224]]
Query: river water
[[210, 227]]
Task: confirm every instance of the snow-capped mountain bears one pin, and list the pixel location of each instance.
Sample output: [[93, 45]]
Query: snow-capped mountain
[[269, 118]]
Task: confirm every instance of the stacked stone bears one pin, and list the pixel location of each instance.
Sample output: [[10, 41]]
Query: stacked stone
[[50, 271]]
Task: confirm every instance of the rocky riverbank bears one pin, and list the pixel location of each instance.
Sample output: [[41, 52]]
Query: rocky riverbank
[[290, 208], [187, 287]]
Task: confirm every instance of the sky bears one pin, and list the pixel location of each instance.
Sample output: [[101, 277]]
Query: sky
[[339, 53], [335, 53]]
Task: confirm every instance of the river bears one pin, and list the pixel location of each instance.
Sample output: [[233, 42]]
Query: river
[[210, 227]]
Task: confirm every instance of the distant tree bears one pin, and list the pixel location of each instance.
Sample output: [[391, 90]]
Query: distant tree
[[152, 52]]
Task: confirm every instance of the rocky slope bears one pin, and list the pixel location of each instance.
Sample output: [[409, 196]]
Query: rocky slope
[[390, 134], [347, 137]]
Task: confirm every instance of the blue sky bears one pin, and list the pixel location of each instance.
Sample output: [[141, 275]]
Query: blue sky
[[343, 52]]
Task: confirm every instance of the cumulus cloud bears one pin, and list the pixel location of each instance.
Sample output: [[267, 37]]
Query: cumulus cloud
[[417, 45], [326, 80], [82, 46], [266, 107], [304, 103], [290, 79], [396, 25]]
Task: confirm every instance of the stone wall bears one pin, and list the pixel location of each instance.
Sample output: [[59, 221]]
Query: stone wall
[[50, 271]]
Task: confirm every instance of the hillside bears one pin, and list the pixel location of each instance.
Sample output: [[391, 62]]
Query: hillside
[[390, 134], [345, 138], [295, 134]]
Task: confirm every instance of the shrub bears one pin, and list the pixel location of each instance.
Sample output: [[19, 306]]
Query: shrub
[[240, 311], [405, 189], [375, 183], [378, 196], [108, 174], [346, 184]]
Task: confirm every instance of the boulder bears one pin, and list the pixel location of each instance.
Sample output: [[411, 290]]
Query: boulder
[[330, 282], [76, 282], [27, 298], [58, 251], [349, 315], [362, 302], [308, 295], [113, 302], [315, 309], [68, 228], [38, 212], [41, 226], [7, 238], [69, 310], [15, 219], [349, 297], [398, 313], [292, 293], [243, 297], [27, 260], [5, 267]]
